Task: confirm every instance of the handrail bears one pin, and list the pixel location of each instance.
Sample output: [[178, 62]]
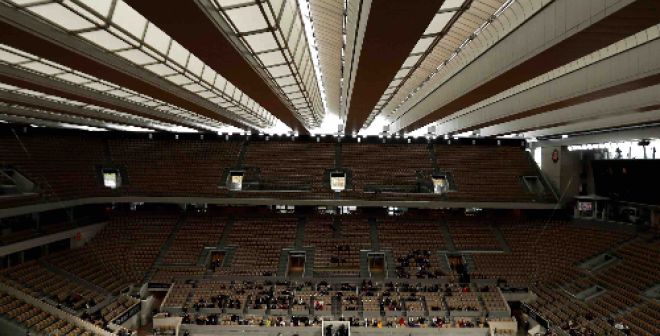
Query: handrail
[[54, 311]]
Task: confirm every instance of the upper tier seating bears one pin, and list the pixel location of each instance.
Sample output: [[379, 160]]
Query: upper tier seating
[[385, 165], [488, 173], [291, 166], [174, 167], [62, 167], [68, 167]]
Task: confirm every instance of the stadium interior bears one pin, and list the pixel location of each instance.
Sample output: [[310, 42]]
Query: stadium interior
[[329, 167]]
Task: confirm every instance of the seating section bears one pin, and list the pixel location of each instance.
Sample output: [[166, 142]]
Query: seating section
[[542, 250], [174, 167], [472, 233], [544, 257], [168, 274], [493, 173], [112, 259], [417, 258], [42, 282], [493, 300], [643, 319], [117, 307], [169, 167], [18, 236], [329, 242], [386, 165], [291, 166], [62, 167], [461, 298], [37, 319], [197, 232], [258, 243], [178, 295]]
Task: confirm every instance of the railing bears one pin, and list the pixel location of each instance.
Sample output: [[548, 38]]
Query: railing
[[54, 311]]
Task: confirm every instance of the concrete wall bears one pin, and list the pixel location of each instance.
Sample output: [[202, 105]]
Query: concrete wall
[[146, 311], [310, 331], [564, 175], [86, 233]]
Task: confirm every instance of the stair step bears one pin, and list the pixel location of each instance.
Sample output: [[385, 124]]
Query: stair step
[[284, 261], [449, 241], [72, 277], [336, 227], [165, 247], [390, 264], [373, 234], [309, 262], [229, 256], [444, 263], [225, 232], [364, 264], [500, 239], [300, 232], [242, 153], [433, 157]]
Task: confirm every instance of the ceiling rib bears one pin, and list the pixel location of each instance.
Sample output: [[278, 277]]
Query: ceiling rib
[[393, 29], [188, 23], [39, 38], [581, 99], [629, 101], [46, 104], [328, 19], [24, 79], [621, 67], [39, 115], [635, 17], [423, 58]]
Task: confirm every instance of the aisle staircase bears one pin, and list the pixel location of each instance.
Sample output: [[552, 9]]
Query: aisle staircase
[[500, 239], [390, 264], [242, 153], [72, 277], [449, 241], [284, 262], [165, 247], [300, 232], [204, 257], [444, 263], [364, 264], [336, 227], [373, 234], [432, 156], [468, 261]]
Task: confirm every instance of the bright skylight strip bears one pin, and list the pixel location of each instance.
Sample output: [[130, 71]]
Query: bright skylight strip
[[449, 8], [95, 110], [453, 55], [273, 33], [84, 81], [119, 29], [313, 48], [431, 35], [40, 114]]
